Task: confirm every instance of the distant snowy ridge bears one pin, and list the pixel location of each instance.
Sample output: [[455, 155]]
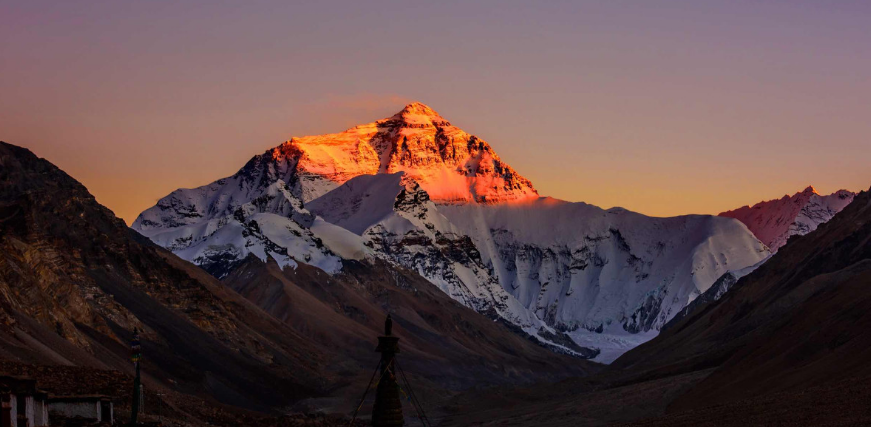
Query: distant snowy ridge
[[775, 221]]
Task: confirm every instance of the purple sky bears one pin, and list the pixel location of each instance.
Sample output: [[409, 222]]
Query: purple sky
[[664, 107]]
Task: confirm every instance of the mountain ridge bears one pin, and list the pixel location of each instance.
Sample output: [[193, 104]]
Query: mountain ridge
[[775, 221]]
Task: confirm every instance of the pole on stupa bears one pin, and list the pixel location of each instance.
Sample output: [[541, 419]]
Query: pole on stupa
[[387, 411], [136, 357]]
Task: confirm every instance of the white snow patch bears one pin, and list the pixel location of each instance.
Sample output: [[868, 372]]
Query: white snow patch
[[340, 241], [612, 345]]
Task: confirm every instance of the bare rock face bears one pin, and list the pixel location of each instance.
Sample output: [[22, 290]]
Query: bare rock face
[[450, 165]]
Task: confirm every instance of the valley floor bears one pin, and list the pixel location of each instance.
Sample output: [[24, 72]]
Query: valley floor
[[598, 401], [647, 404], [570, 403], [611, 345], [846, 403]]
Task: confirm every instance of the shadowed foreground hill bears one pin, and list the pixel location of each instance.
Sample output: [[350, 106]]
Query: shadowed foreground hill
[[75, 282], [445, 347]]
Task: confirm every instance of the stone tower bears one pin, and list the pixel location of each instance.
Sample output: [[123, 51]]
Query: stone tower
[[387, 411]]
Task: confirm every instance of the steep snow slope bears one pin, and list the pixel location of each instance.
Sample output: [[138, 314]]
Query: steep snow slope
[[361, 202], [775, 221], [577, 266]]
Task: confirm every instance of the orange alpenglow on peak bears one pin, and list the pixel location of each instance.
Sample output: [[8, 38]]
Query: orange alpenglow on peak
[[448, 163], [418, 108], [418, 113]]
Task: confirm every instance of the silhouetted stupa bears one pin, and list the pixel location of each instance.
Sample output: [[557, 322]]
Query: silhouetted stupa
[[387, 411]]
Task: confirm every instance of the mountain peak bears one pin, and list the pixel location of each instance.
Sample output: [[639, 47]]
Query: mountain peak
[[810, 189], [419, 114], [419, 108]]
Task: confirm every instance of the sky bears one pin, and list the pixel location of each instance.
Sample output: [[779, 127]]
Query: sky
[[662, 107]]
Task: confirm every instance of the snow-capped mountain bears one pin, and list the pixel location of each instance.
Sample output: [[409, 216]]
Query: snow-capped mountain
[[775, 221], [422, 194], [451, 165]]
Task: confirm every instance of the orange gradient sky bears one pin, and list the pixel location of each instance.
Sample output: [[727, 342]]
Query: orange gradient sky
[[669, 108]]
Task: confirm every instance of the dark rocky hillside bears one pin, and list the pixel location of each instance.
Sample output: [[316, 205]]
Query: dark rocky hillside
[[75, 281], [446, 347]]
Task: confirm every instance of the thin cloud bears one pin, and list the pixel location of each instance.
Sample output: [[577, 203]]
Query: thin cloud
[[351, 110]]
